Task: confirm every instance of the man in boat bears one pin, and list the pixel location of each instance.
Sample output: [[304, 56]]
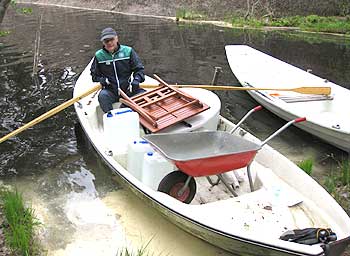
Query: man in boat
[[113, 66]]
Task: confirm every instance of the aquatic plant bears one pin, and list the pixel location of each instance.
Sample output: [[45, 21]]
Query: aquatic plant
[[306, 165], [20, 223], [142, 251], [127, 252]]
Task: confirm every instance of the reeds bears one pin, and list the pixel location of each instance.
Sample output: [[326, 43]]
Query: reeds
[[142, 251], [20, 223], [306, 165]]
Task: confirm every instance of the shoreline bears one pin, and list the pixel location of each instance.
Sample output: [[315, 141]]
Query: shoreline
[[218, 23]]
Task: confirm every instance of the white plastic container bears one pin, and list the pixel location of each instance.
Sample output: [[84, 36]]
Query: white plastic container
[[154, 168], [121, 127], [136, 152]]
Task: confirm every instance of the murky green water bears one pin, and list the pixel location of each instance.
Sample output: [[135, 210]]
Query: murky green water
[[53, 164]]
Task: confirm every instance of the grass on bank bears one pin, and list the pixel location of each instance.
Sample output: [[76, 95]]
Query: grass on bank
[[20, 223], [306, 166], [309, 23], [189, 15], [338, 184]]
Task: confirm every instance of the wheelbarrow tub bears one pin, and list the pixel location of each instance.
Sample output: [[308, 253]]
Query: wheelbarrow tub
[[206, 152]]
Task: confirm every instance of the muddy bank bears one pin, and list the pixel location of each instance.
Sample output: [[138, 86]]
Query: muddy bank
[[217, 9]]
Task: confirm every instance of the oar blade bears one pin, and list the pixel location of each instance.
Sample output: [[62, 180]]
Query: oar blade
[[320, 90]]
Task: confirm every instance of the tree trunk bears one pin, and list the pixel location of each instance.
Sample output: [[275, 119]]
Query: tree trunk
[[3, 6]]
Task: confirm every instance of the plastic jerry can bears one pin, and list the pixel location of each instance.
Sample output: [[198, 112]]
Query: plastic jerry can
[[121, 126], [136, 151], [154, 168]]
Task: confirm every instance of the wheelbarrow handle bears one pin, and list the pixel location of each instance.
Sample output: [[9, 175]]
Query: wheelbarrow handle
[[245, 117], [300, 119], [297, 120]]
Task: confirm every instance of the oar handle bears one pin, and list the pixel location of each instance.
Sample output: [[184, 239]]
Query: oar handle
[[51, 113]]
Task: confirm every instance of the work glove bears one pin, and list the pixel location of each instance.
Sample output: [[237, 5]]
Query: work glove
[[105, 83], [135, 85]]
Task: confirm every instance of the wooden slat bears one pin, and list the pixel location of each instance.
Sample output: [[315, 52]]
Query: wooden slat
[[158, 99], [163, 107], [178, 108]]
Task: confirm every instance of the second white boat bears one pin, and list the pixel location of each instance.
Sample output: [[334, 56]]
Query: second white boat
[[327, 117]]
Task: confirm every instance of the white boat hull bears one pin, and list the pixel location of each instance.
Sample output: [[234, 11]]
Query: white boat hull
[[254, 68]]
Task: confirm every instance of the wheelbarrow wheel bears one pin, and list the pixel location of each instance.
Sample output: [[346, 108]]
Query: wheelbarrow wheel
[[174, 182]]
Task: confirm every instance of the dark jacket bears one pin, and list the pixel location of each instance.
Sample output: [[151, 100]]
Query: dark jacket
[[117, 67]]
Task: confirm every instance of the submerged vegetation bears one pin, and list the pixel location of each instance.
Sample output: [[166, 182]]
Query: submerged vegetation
[[4, 33], [20, 223], [306, 166]]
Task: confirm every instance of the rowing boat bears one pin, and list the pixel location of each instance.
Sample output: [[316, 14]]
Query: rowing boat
[[327, 116], [284, 197]]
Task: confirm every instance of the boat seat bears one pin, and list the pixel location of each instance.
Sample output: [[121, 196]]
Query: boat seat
[[296, 97]]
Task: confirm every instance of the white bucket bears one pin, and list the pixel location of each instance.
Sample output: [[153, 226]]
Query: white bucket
[[121, 127]]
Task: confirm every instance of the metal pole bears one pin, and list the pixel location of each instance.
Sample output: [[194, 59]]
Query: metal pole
[[227, 185], [250, 178], [217, 71]]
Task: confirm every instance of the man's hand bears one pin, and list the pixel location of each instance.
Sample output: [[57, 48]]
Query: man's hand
[[135, 85], [105, 83]]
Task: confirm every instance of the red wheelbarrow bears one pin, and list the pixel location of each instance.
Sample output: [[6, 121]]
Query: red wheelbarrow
[[205, 153]]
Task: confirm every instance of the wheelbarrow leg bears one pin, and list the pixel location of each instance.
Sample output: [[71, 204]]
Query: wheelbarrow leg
[[212, 182], [227, 185], [182, 190], [250, 178]]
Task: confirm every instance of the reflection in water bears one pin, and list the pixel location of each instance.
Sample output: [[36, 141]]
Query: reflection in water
[[54, 164]]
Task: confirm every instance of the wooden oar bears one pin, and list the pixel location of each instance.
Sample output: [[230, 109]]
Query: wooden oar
[[51, 112], [320, 90]]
